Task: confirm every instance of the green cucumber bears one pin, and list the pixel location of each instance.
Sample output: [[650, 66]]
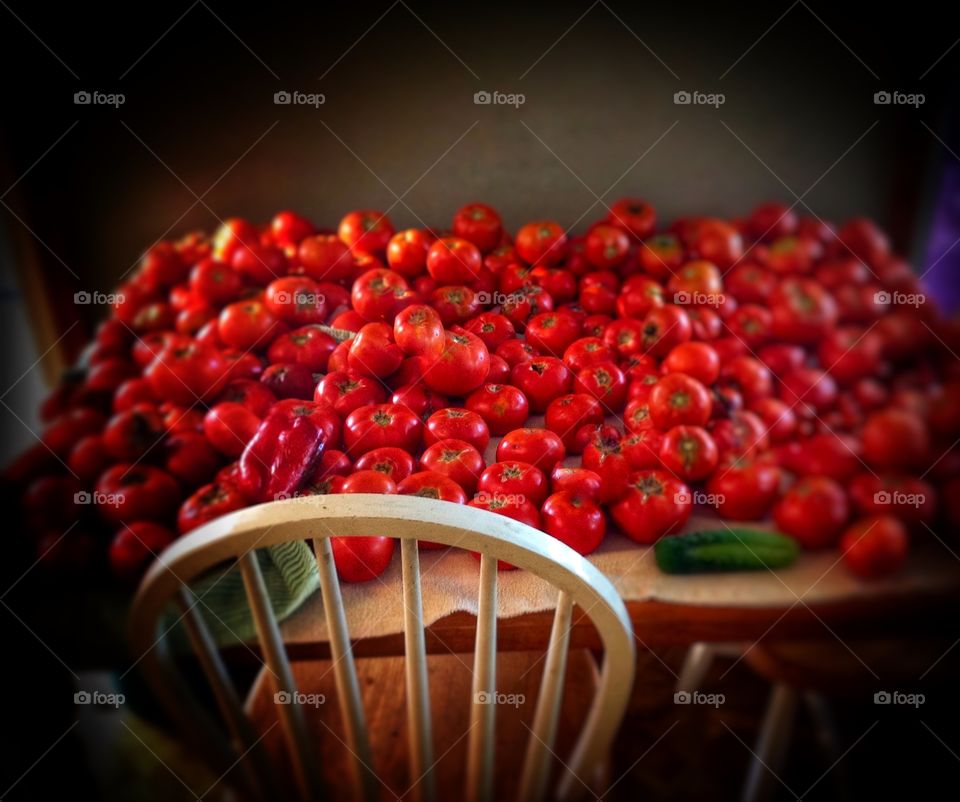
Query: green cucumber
[[724, 550]]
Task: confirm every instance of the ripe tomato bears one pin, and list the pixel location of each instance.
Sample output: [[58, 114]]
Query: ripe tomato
[[455, 304], [642, 449], [366, 231], [588, 352], [346, 392], [540, 448], [306, 346], [543, 242], [462, 366], [129, 435], [636, 216], [455, 459], [744, 488], [803, 311], [452, 260], [655, 504], [716, 241], [89, 458], [457, 424], [249, 325], [895, 439], [909, 499], [739, 433], [136, 492], [368, 481], [296, 300], [678, 399], [502, 407], [606, 246], [259, 263], [418, 331], [574, 520], [407, 252], [209, 502], [542, 380], [492, 328], [695, 359], [325, 257], [778, 419], [135, 546], [184, 373], [665, 328], [813, 511], [689, 452], [808, 390], [749, 376], [515, 479], [578, 481], [379, 294], [430, 484], [229, 426], [373, 351], [380, 425], [874, 547], [215, 282], [568, 413], [603, 455], [660, 256], [552, 332], [479, 224], [360, 559], [393, 462]]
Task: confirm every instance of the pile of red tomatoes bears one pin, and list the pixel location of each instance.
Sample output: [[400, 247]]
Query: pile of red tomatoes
[[766, 367]]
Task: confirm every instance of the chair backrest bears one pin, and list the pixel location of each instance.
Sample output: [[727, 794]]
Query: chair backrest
[[235, 537]]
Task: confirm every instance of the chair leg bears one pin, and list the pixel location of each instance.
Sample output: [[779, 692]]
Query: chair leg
[[826, 733], [695, 667], [771, 747]]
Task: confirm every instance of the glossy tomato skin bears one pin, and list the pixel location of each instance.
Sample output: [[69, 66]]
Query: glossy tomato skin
[[305, 346], [452, 260], [695, 359], [361, 559], [515, 479], [678, 399], [606, 246], [492, 328], [135, 546], [568, 413], [462, 366], [128, 492], [379, 426], [373, 352], [689, 452], [813, 512], [543, 242], [407, 252], [378, 294], [457, 460], [578, 481], [430, 484], [502, 406], [636, 216], [744, 488], [249, 325], [542, 380], [457, 424], [665, 328], [346, 391], [895, 439], [604, 456], [418, 330], [907, 498], [552, 332], [661, 255], [574, 520], [190, 459], [540, 448], [642, 449], [655, 504], [874, 547], [390, 461], [366, 231], [803, 311], [479, 224], [297, 300]]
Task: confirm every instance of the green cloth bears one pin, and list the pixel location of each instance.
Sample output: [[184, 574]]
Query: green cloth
[[290, 575]]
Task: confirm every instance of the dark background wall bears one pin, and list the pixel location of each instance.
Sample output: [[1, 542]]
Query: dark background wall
[[399, 118]]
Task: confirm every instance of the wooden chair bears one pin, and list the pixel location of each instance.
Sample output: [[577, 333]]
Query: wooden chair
[[234, 538]]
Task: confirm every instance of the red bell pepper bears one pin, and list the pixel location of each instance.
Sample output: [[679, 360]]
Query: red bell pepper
[[280, 456]]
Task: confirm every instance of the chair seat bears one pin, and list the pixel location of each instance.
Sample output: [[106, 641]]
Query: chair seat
[[382, 685]]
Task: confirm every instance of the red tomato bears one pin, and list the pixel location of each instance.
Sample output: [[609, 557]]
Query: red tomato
[[740, 433], [346, 392], [249, 325], [296, 300], [502, 407], [689, 452], [606, 383], [803, 312], [895, 439], [492, 328], [513, 352], [778, 419], [89, 458], [813, 511], [215, 282], [455, 459], [744, 488], [543, 242], [209, 502], [185, 373], [135, 546], [455, 304], [749, 376], [574, 520], [540, 448], [190, 459], [430, 484], [289, 381], [515, 479], [259, 263], [578, 481], [606, 246], [407, 252], [289, 228], [874, 547], [366, 231], [306, 346], [457, 424], [325, 257], [381, 425], [369, 481], [678, 399], [479, 224], [568, 413], [636, 216], [655, 504], [642, 449], [665, 328], [661, 255], [552, 332], [373, 351], [419, 400], [907, 498], [379, 294], [452, 260], [542, 380], [418, 331], [716, 241], [393, 462], [360, 559], [695, 359], [603, 456], [136, 492], [129, 435], [462, 366]]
